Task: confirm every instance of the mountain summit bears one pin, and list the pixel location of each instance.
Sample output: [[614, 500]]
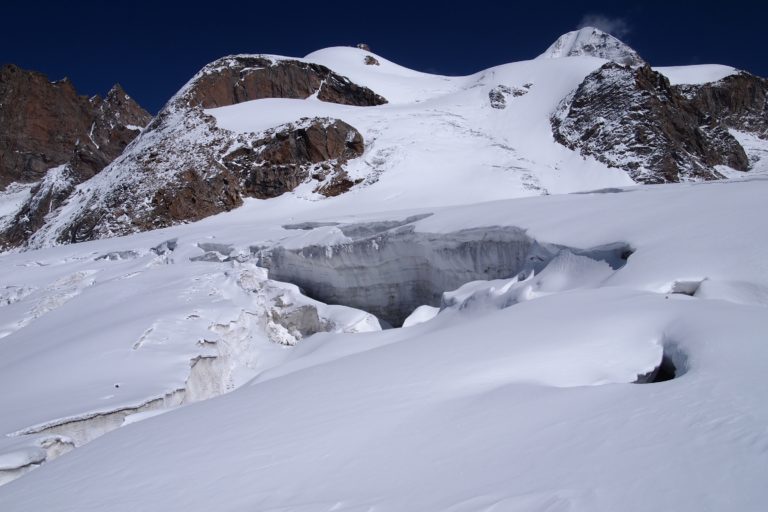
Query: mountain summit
[[592, 42]]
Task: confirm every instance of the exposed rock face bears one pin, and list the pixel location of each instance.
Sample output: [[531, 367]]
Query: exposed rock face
[[738, 101], [499, 94], [282, 161], [44, 124], [217, 171], [51, 135], [118, 120], [243, 78], [184, 168], [635, 120], [592, 42]]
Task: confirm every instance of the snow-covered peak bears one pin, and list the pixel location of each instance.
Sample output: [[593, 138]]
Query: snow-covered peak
[[397, 83], [592, 42], [343, 59]]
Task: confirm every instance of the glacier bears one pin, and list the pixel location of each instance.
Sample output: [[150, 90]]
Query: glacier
[[446, 337], [444, 414]]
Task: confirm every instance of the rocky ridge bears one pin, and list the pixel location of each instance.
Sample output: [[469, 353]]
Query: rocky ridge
[[56, 139], [236, 79], [184, 168], [634, 119]]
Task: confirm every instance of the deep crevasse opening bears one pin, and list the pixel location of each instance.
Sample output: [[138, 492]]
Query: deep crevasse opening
[[391, 273]]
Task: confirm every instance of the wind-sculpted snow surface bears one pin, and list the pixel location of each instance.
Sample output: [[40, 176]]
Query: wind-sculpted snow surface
[[447, 413]]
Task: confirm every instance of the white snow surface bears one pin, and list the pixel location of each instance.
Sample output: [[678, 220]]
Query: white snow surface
[[696, 74], [517, 395], [12, 199], [756, 149], [420, 315]]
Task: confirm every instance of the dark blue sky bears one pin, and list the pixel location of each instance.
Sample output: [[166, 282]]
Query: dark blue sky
[[152, 48]]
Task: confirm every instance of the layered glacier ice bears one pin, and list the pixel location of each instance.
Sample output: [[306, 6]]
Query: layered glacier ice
[[393, 272]]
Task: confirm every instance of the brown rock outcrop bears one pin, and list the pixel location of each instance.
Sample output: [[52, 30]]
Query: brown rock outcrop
[[44, 124], [737, 101], [280, 163], [244, 78], [213, 174]]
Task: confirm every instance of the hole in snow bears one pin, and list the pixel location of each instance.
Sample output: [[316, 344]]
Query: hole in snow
[[686, 287], [673, 364]]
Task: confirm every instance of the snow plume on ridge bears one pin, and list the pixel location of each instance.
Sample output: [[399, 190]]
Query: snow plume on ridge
[[618, 27], [592, 41]]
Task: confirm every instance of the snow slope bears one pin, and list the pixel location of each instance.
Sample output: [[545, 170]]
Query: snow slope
[[12, 198], [518, 395], [696, 74], [439, 141]]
